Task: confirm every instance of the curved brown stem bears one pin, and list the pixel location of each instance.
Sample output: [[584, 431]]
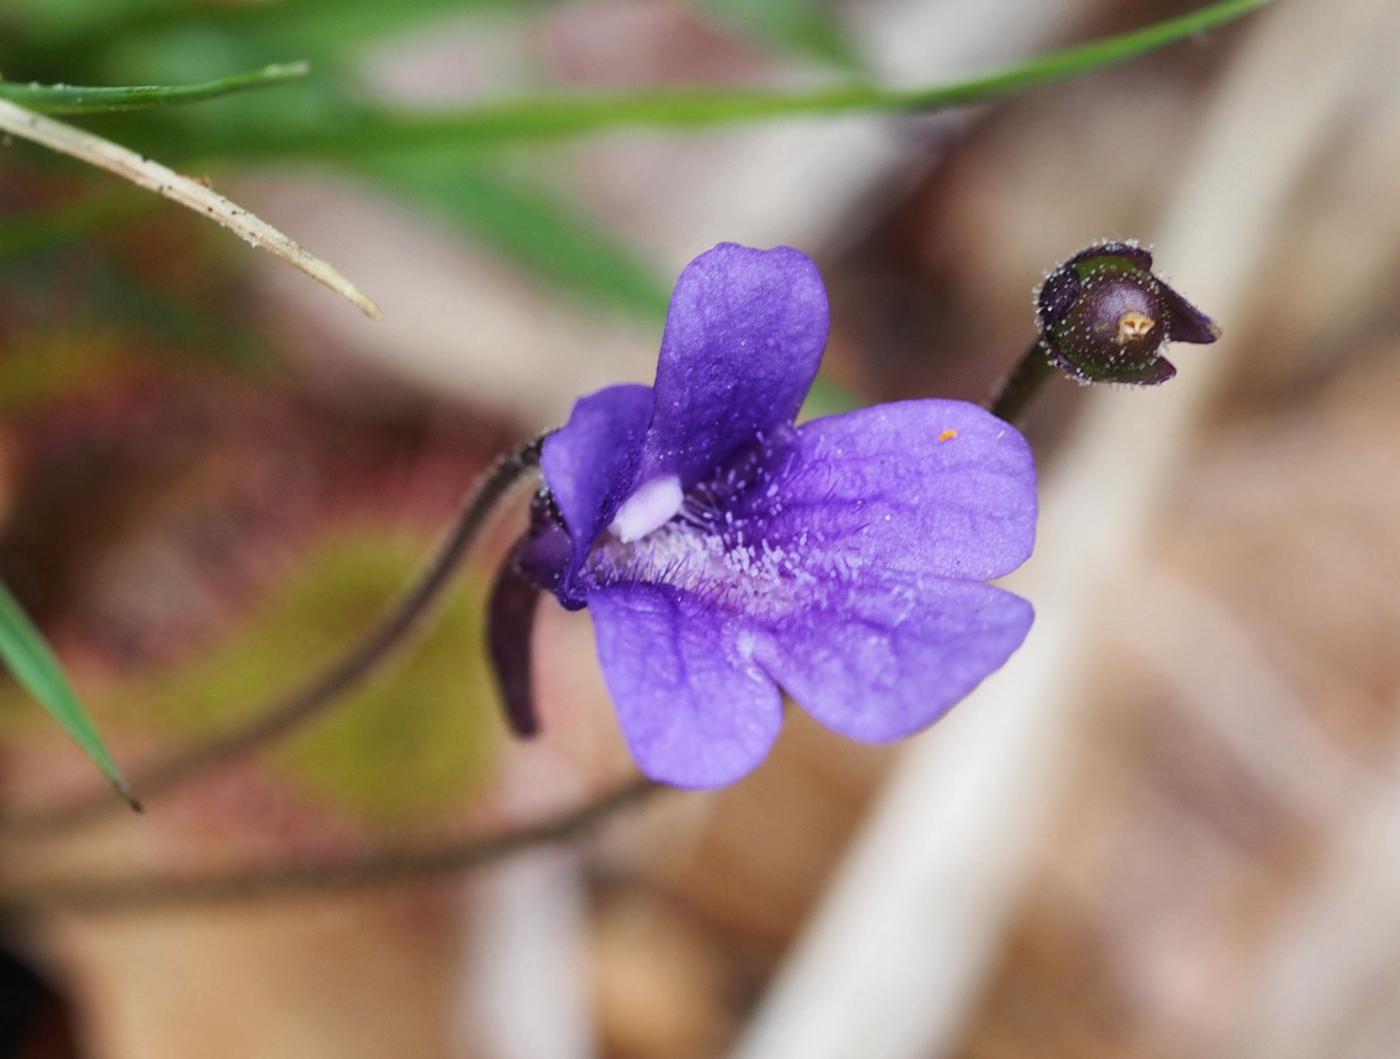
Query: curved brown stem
[[382, 867], [313, 698]]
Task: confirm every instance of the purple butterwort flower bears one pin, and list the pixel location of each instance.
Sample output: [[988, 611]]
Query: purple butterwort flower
[[726, 554], [1106, 317]]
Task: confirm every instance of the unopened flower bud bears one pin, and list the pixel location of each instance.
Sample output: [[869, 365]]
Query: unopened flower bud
[[1105, 317]]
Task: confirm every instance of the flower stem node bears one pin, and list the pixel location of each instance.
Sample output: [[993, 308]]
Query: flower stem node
[[1104, 316]]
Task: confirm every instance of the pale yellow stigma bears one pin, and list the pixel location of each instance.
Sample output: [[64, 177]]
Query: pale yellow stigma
[[1133, 325], [947, 435]]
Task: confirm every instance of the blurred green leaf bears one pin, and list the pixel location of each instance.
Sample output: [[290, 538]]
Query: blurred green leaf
[[34, 232], [370, 128], [803, 26], [331, 26], [169, 31], [318, 28], [129, 304], [36, 669], [46, 19], [527, 224], [409, 742], [80, 99]]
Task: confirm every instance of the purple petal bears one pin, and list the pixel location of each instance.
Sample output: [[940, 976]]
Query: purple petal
[[890, 660], [1057, 296], [925, 488], [591, 462], [743, 339], [1186, 323], [696, 711]]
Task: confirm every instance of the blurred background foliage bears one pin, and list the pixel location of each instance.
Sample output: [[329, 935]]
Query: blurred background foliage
[[206, 488], [431, 746]]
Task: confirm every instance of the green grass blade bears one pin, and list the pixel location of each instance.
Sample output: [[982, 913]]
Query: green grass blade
[[79, 99], [28, 657], [555, 117]]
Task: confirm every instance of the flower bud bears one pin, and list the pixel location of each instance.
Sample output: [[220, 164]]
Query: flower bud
[[1105, 317]]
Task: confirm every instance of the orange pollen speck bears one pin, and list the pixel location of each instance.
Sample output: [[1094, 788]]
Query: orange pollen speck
[[1133, 325], [947, 435]]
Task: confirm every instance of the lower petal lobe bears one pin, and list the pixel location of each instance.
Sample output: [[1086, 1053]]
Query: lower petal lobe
[[696, 710], [892, 659]]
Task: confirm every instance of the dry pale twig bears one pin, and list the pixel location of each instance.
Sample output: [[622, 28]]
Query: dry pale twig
[[151, 175]]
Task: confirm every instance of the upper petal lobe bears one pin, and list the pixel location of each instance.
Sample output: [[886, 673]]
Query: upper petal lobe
[[744, 337]]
